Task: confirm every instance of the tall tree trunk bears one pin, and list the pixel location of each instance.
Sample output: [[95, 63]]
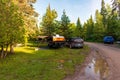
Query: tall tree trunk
[[11, 49], [6, 51], [2, 51]]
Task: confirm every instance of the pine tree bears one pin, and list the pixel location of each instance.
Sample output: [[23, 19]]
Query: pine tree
[[104, 13], [90, 28], [98, 27], [78, 30], [116, 7], [85, 31], [48, 21], [65, 22]]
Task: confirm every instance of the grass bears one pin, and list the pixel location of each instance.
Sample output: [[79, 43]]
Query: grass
[[44, 64]]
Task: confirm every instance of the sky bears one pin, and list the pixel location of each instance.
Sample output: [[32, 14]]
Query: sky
[[74, 8]]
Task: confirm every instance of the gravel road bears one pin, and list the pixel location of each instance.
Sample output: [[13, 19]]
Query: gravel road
[[103, 63]]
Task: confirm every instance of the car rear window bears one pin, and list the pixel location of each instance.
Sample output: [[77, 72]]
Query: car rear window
[[76, 39], [109, 37]]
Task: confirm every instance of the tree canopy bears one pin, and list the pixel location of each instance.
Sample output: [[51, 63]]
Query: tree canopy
[[11, 25], [48, 21], [14, 26]]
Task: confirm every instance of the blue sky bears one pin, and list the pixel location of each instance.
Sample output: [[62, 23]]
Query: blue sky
[[74, 8]]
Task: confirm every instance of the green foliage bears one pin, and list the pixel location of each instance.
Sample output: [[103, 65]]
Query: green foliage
[[78, 30], [104, 13], [72, 28], [105, 24], [48, 27], [89, 30], [11, 25], [65, 22], [29, 16], [117, 30], [56, 25], [116, 7], [99, 29]]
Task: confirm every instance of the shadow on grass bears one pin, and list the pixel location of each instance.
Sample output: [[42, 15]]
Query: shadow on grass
[[44, 48], [29, 48]]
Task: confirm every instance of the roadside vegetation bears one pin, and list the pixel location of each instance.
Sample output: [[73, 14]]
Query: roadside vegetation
[[44, 64]]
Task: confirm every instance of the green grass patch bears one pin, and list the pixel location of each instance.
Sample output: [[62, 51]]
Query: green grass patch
[[44, 64]]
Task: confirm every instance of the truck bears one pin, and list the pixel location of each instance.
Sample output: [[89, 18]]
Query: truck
[[55, 41]]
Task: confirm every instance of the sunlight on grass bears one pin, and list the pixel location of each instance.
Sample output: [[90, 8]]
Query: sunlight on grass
[[44, 64], [28, 50]]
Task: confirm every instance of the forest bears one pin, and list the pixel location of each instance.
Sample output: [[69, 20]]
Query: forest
[[105, 22]]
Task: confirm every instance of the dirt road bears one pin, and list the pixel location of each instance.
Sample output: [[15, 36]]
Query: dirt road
[[103, 63]]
